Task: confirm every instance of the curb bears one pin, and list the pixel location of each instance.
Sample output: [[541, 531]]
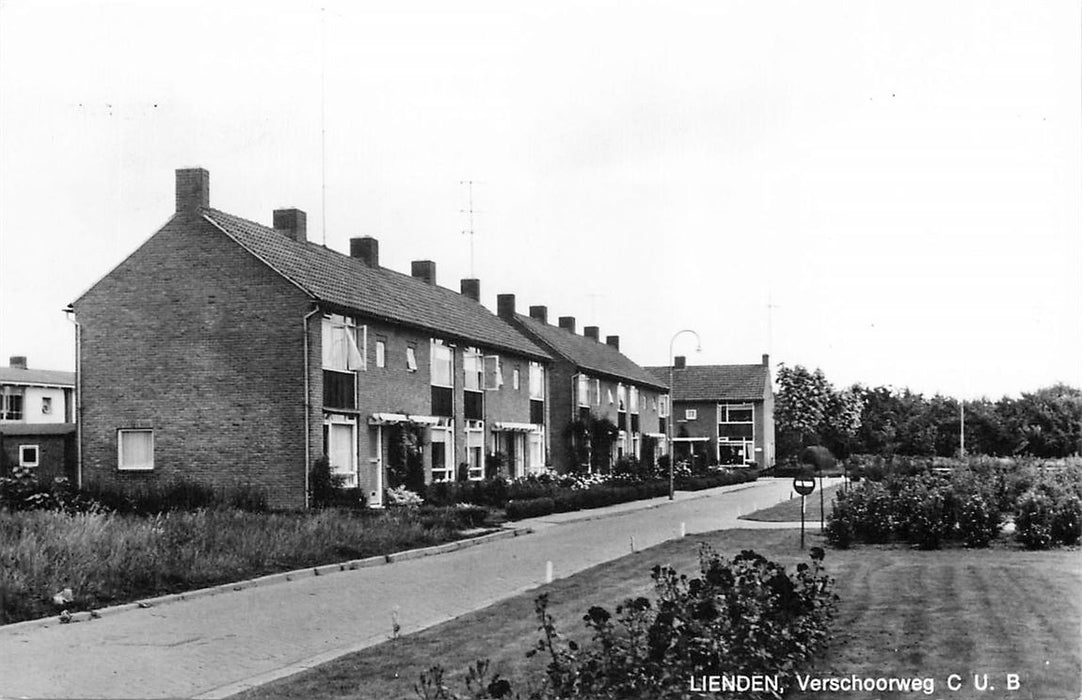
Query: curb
[[270, 579], [593, 514]]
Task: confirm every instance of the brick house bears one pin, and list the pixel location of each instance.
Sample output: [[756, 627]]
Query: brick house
[[722, 412], [37, 429], [592, 380], [230, 352]]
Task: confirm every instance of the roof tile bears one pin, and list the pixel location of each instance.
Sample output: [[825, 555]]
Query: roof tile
[[716, 382], [591, 354], [350, 283]]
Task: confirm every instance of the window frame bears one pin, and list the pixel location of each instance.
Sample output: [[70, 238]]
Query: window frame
[[120, 433], [691, 414], [381, 352], [411, 358], [537, 381], [23, 462]]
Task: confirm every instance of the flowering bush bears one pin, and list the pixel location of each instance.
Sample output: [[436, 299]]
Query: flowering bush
[[744, 616], [402, 496]]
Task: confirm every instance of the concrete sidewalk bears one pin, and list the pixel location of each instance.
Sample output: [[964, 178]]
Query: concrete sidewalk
[[218, 645]]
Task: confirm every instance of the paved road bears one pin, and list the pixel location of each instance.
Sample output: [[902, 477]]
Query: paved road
[[218, 645]]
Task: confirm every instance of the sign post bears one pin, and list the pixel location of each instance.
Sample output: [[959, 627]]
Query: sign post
[[803, 485]]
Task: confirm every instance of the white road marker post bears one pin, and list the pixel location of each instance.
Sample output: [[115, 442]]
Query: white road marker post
[[548, 572], [683, 530]]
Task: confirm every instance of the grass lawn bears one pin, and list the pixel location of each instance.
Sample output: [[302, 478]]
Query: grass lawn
[[789, 511], [902, 613], [106, 558]]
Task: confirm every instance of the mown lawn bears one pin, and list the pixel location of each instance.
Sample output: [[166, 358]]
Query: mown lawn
[[902, 613], [789, 511]]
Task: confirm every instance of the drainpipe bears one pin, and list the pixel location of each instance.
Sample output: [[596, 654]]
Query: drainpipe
[[69, 312], [307, 411]]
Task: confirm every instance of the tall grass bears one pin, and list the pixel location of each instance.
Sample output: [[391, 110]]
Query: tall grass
[[106, 558]]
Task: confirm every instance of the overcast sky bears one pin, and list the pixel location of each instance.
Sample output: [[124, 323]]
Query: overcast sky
[[899, 180]]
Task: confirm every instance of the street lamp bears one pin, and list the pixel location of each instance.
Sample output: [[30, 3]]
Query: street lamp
[[672, 408]]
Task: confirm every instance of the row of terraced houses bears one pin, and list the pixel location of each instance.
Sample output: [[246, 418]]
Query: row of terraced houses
[[230, 352]]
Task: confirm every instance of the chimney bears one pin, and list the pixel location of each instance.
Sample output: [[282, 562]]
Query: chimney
[[472, 288], [193, 189], [424, 270], [293, 223], [613, 340], [592, 332], [567, 323], [18, 362], [505, 305], [541, 313], [365, 249], [680, 362], [766, 360]]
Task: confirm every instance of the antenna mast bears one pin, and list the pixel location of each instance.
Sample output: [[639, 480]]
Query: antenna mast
[[323, 119], [469, 212]]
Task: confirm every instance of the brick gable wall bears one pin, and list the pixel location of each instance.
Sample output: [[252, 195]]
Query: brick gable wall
[[194, 337]]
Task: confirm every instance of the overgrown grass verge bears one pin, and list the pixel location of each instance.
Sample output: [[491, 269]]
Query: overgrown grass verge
[[902, 613], [106, 558]]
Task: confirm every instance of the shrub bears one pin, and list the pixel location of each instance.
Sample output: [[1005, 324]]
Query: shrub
[[841, 528], [746, 616], [1033, 520], [979, 520], [403, 497], [532, 508], [1067, 519]]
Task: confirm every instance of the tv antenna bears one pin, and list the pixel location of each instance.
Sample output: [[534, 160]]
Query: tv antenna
[[323, 120], [770, 306], [469, 211]]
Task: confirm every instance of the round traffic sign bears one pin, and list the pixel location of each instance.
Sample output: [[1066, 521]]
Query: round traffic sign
[[803, 485]]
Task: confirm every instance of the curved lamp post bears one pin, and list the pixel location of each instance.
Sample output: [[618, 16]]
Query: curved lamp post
[[672, 403]]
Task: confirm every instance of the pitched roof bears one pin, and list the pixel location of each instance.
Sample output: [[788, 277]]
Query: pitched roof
[[50, 377], [590, 354], [717, 382], [348, 282]]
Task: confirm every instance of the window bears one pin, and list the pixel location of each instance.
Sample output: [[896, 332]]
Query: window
[[12, 407], [135, 450], [442, 453], [597, 392], [537, 381], [411, 359], [493, 372], [341, 437], [28, 455], [634, 399], [691, 414], [584, 390], [441, 364], [514, 379], [663, 406], [475, 451], [609, 393], [381, 353], [621, 397], [47, 405], [474, 368], [736, 433], [342, 342], [535, 451]]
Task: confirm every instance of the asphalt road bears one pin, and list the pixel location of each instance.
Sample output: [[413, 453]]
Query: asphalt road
[[218, 645]]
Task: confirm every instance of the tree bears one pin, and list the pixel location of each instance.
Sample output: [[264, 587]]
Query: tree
[[800, 407]]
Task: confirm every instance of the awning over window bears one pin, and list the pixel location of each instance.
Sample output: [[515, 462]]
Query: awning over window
[[691, 439], [514, 427], [656, 436], [397, 418]]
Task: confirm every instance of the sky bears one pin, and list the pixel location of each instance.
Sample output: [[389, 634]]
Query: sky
[[890, 191]]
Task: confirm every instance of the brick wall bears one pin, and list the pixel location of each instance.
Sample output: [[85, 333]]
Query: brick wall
[[193, 337], [56, 454]]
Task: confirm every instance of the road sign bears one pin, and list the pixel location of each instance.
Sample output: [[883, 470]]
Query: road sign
[[803, 485]]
